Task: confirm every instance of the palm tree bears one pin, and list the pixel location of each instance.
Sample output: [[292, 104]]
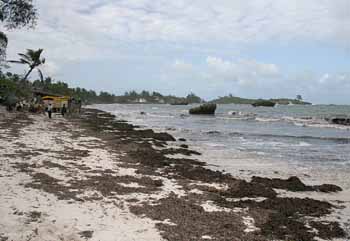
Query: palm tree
[[33, 59]]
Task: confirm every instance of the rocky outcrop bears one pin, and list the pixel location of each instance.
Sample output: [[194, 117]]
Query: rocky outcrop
[[339, 120], [206, 109]]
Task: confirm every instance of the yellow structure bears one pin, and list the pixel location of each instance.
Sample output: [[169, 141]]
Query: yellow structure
[[56, 101]]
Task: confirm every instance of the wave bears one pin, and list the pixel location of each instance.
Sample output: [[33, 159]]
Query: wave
[[267, 119], [304, 121], [342, 140]]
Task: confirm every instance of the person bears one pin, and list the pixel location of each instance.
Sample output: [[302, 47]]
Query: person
[[63, 110], [49, 110], [79, 105]]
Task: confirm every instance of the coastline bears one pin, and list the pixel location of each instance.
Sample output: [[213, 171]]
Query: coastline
[[97, 163]]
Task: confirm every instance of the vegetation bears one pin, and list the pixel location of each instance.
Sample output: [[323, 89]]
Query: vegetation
[[266, 103], [230, 99], [155, 98], [13, 84], [33, 59], [15, 14], [23, 89]]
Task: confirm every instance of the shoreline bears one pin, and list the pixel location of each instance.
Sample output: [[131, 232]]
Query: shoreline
[[180, 198]]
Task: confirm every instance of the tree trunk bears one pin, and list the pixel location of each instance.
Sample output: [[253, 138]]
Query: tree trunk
[[28, 73]]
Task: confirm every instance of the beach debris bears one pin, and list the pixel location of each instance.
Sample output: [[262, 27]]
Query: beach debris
[[86, 234], [294, 184]]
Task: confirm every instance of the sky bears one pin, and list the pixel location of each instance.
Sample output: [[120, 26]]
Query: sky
[[248, 48]]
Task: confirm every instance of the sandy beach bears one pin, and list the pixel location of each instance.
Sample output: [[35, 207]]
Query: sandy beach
[[93, 177]]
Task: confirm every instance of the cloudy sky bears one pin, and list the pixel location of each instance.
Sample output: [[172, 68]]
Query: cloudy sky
[[250, 48]]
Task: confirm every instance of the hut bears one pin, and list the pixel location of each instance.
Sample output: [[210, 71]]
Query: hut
[[57, 102]]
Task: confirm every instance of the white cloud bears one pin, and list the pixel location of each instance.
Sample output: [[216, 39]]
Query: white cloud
[[245, 72], [181, 66], [85, 29], [95, 31]]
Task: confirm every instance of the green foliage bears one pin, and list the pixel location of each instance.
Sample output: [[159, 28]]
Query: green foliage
[[33, 59], [192, 98], [11, 84], [155, 98], [3, 46], [23, 89], [15, 14], [230, 99]]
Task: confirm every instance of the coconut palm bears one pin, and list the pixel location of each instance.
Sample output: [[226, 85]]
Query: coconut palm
[[33, 59]]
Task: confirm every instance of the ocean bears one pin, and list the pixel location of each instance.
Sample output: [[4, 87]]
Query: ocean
[[281, 140]]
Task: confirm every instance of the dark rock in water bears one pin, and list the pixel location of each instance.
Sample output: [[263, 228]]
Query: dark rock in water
[[339, 120], [142, 113], [206, 109], [294, 184], [184, 146], [182, 139], [266, 103], [213, 132]]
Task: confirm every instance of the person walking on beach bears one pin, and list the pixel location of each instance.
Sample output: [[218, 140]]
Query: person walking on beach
[[49, 110], [63, 110]]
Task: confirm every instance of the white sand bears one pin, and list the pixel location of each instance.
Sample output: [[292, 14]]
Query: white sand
[[61, 219]]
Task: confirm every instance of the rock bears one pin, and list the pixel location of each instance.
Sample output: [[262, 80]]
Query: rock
[[339, 120], [182, 139], [206, 109], [142, 113], [184, 146], [213, 132]]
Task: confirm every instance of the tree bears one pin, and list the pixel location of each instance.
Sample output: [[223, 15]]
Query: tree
[[3, 46], [33, 59], [15, 14], [299, 98], [192, 98]]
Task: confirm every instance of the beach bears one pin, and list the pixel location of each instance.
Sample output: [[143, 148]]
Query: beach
[[96, 177]]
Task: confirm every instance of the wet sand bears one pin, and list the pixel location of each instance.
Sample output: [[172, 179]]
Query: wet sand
[[94, 177]]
